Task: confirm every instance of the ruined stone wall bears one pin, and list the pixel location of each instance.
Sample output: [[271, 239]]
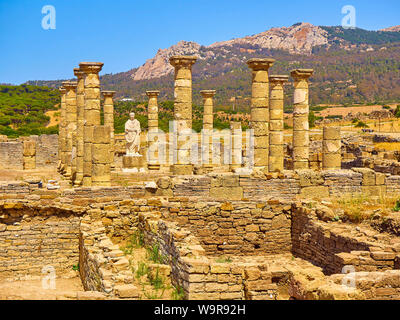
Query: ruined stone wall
[[247, 228], [11, 155], [333, 246], [46, 152], [32, 238]]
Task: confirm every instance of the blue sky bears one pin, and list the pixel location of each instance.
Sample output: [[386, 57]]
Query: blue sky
[[125, 33]]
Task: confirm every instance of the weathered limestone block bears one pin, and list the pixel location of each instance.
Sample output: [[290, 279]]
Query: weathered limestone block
[[368, 176], [314, 192], [301, 140], [259, 109]]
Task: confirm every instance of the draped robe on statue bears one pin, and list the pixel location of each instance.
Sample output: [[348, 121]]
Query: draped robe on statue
[[132, 136]]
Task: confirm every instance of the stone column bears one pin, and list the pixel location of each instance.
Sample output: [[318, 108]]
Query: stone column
[[208, 119], [276, 153], [259, 110], [108, 108], [301, 135], [80, 106], [91, 114], [62, 147], [152, 115], [236, 145], [183, 112], [29, 154], [71, 121], [331, 149], [101, 168]]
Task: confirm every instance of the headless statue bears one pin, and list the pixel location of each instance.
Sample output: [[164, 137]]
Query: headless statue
[[132, 136]]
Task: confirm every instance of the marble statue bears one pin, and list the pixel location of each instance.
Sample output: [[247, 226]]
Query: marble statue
[[132, 136]]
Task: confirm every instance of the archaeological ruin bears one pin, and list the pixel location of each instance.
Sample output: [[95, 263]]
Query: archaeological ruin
[[232, 214]]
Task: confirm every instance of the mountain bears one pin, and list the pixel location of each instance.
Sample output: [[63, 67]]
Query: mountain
[[351, 65], [392, 29]]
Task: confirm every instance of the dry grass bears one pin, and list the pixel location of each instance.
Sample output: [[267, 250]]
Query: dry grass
[[388, 146], [359, 208]]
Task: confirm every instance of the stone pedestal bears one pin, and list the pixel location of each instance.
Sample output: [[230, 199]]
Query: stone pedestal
[[182, 113], [62, 146], [91, 114], [259, 109], [80, 106], [301, 135], [108, 108], [331, 149], [133, 163], [152, 133], [71, 121], [276, 152]]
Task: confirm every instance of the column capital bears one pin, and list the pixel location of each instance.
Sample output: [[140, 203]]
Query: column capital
[[108, 93], [260, 64], [69, 85], [79, 73], [208, 93], [278, 79], [153, 93], [91, 67], [182, 61], [301, 73], [62, 90]]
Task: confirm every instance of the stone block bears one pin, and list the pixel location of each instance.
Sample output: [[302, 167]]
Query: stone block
[[317, 192], [126, 291]]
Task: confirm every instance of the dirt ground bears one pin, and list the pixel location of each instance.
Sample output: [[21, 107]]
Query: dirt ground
[[344, 111], [33, 289]]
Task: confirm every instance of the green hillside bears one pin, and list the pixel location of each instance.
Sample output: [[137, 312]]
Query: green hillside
[[23, 108]]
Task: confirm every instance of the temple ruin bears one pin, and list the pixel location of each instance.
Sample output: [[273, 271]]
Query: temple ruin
[[239, 214]]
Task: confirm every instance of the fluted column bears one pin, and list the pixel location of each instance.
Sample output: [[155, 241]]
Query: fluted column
[[259, 109], [152, 115], [208, 121], [91, 114], [62, 147], [80, 106], [71, 121], [331, 149], [276, 153], [108, 108], [301, 134], [183, 112]]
